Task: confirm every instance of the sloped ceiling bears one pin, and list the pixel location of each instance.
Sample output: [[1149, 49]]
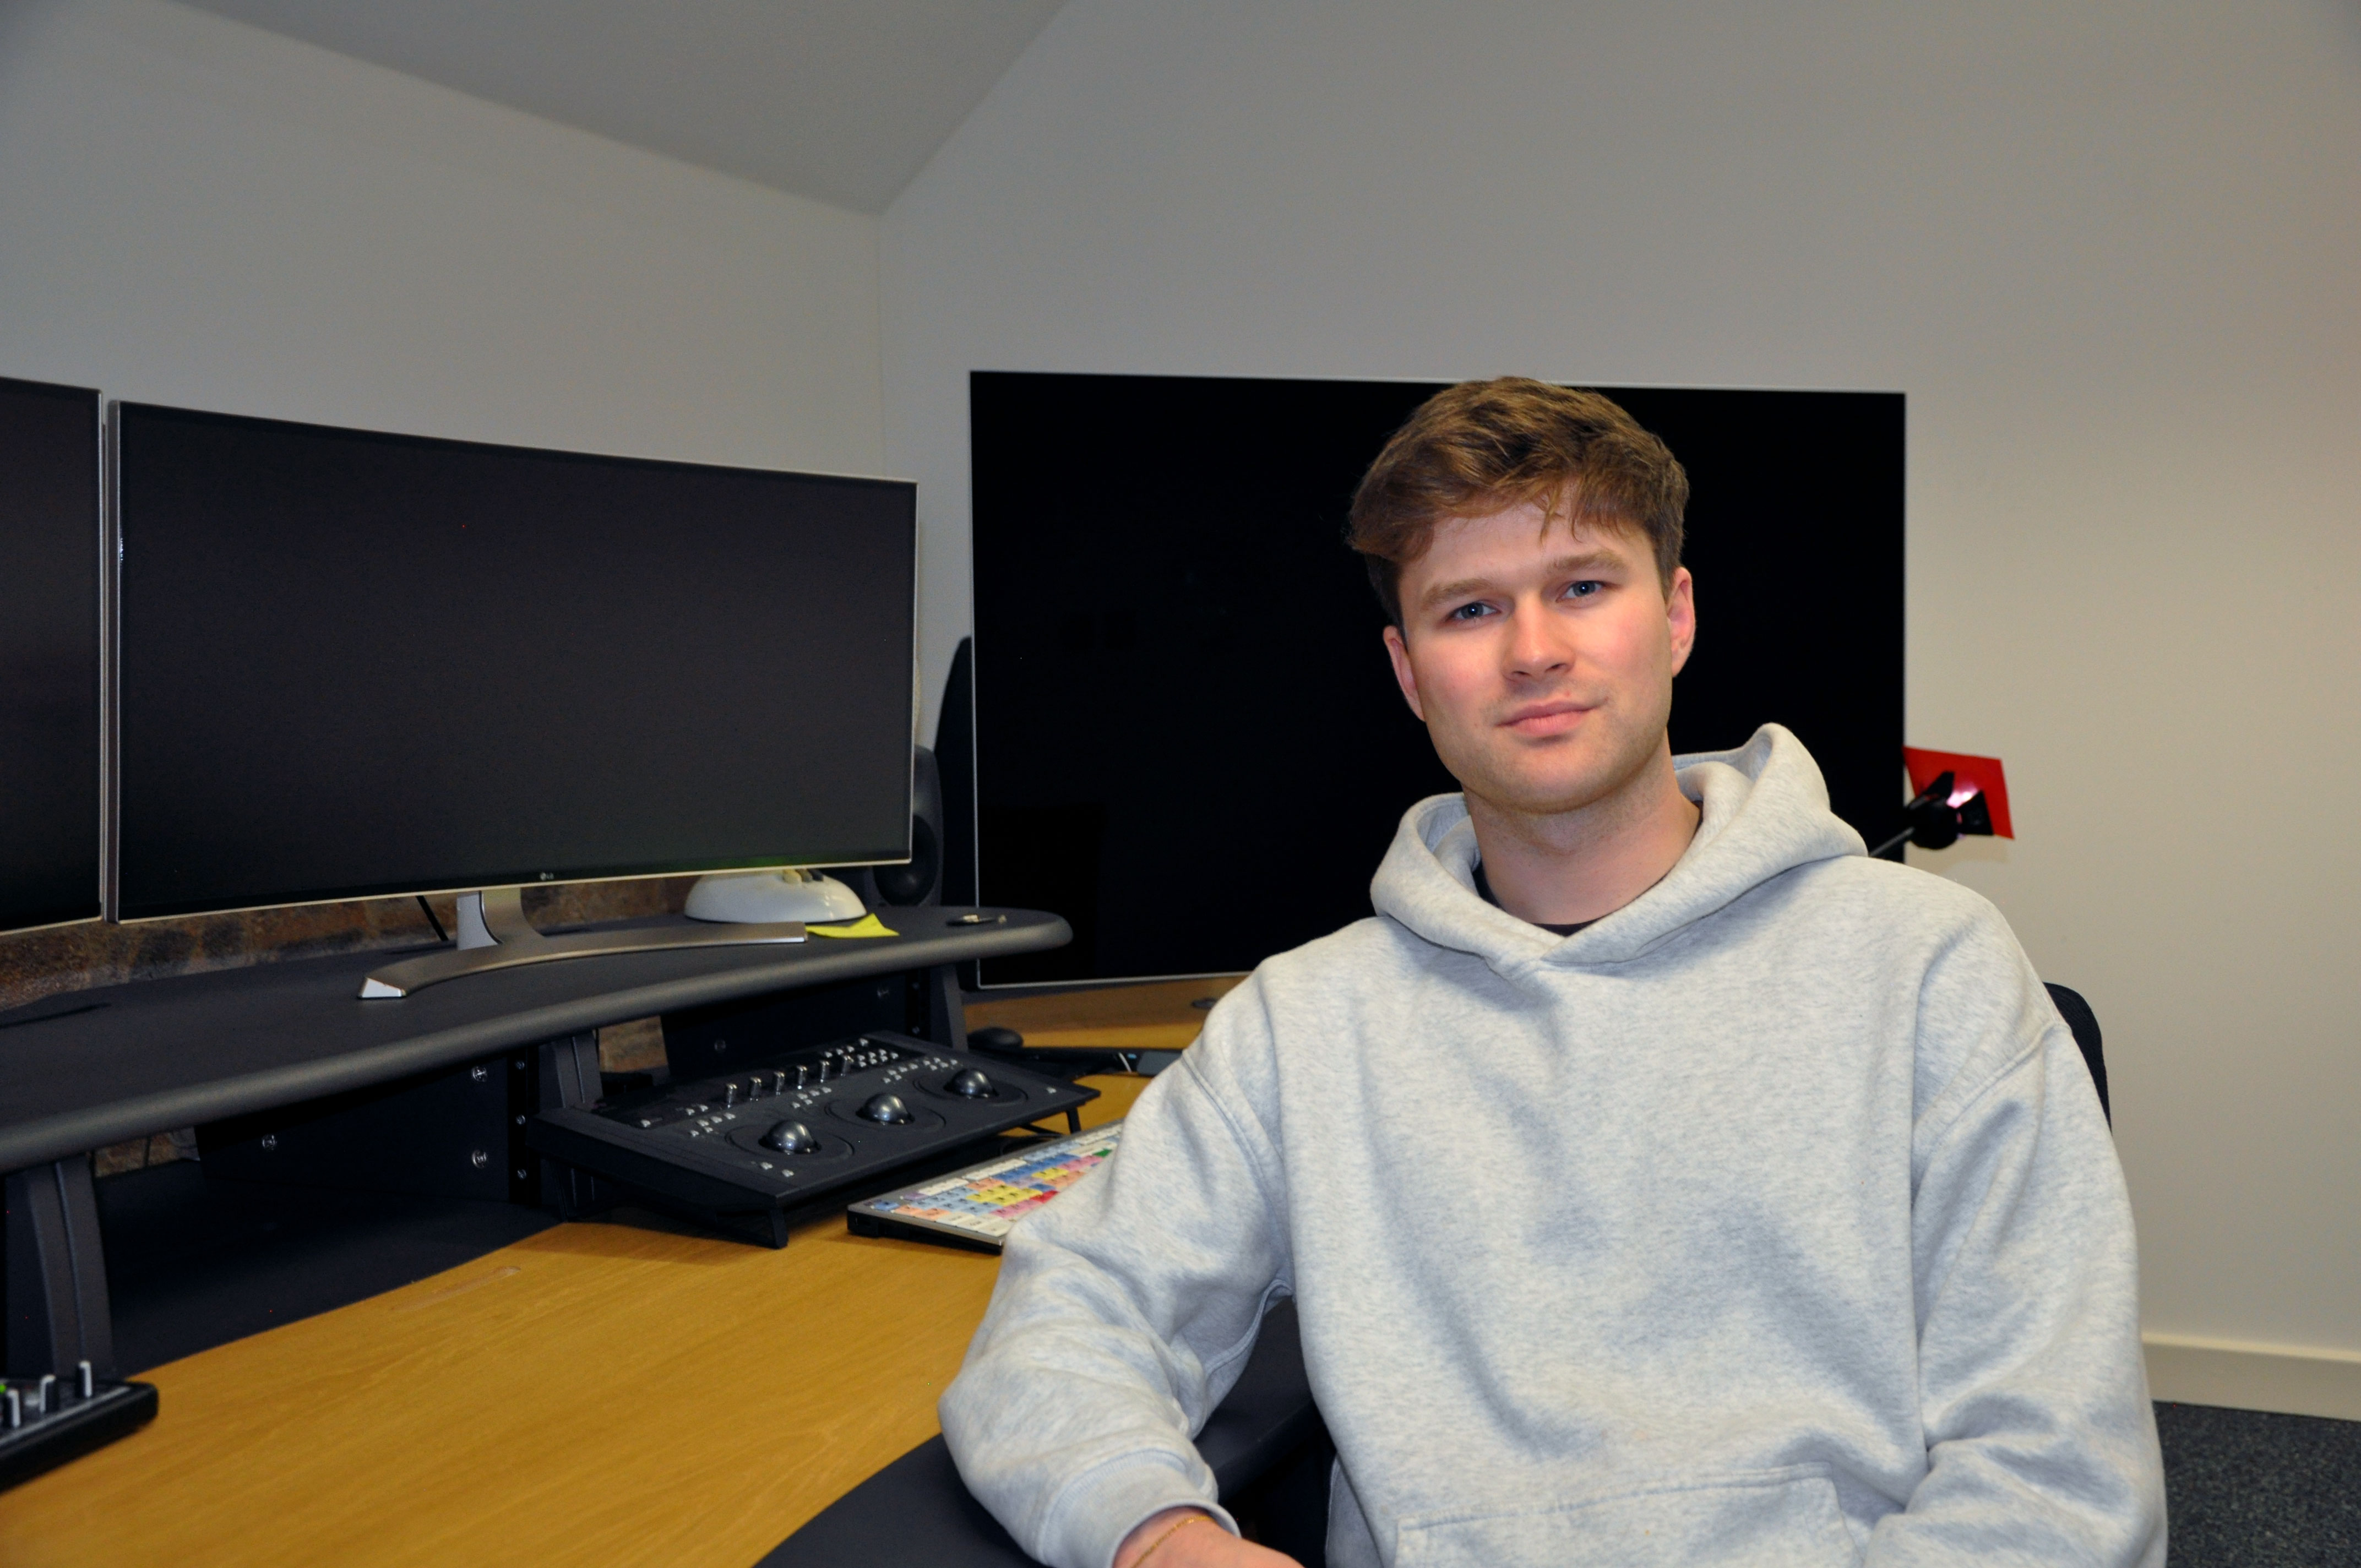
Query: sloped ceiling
[[841, 99]]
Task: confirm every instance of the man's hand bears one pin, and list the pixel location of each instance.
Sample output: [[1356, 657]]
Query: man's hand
[[1205, 1545]]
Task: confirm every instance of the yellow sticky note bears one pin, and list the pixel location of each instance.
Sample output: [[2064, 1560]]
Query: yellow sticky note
[[867, 925]]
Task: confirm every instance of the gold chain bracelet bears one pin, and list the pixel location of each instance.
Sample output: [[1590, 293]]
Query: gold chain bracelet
[[1158, 1543]]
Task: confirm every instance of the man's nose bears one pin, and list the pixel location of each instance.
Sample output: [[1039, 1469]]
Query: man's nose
[[1537, 645]]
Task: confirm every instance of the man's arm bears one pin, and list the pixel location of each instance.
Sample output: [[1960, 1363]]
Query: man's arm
[[1124, 1313], [2040, 1437]]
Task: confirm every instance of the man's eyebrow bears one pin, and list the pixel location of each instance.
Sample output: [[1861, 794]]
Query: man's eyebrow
[[1583, 561]]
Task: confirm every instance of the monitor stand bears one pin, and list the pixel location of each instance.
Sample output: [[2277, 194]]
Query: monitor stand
[[495, 935]]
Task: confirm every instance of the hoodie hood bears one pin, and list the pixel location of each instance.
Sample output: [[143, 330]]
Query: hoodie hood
[[1765, 812]]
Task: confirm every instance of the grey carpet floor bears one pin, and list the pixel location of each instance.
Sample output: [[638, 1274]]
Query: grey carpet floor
[[2244, 1489]]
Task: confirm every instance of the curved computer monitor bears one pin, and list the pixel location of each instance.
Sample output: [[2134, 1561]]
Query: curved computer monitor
[[48, 655], [352, 664]]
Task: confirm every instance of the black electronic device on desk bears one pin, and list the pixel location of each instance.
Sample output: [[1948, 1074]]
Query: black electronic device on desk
[[750, 1152], [46, 1420]]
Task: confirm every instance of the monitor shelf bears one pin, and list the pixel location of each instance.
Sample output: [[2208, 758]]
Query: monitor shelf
[[93, 1068]]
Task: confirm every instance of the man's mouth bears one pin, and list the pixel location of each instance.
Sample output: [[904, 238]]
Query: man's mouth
[[1537, 719]]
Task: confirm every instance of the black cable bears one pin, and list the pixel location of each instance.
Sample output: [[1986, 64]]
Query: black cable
[[1893, 843], [1929, 809], [428, 910]]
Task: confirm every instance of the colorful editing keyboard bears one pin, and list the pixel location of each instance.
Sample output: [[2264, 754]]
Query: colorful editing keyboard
[[975, 1207]]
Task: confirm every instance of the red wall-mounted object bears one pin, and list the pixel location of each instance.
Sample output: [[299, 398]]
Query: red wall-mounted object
[[1982, 772]]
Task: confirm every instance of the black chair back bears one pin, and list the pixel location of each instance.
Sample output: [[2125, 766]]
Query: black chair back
[[2085, 1024]]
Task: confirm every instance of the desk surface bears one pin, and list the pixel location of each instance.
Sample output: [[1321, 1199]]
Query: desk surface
[[1162, 1015], [596, 1394]]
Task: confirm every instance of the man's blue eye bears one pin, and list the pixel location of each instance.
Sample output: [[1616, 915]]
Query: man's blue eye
[[1582, 590], [1467, 612]]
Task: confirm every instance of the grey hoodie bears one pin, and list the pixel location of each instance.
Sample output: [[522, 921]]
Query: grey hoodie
[[1770, 1219]]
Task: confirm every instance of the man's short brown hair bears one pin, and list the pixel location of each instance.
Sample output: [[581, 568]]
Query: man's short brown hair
[[1484, 446]]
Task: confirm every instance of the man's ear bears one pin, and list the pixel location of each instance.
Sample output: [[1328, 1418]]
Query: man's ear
[[1404, 677], [1680, 609]]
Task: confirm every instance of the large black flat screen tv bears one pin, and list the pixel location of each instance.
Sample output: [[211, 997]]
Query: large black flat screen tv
[[355, 664], [1188, 743], [48, 655]]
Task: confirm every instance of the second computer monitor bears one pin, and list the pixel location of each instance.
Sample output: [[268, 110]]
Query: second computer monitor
[[1188, 739]]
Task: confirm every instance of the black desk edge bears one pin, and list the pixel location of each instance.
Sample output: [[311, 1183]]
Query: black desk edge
[[112, 1116]]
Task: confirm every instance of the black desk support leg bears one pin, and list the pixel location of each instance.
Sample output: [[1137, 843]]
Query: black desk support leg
[[57, 1273], [61, 1399], [569, 1076], [946, 1012]]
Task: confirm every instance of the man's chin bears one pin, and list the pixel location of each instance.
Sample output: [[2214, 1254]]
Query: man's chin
[[1540, 797], [1555, 791]]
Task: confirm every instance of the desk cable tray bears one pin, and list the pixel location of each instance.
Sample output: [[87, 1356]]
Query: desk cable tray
[[46, 1420], [975, 1208]]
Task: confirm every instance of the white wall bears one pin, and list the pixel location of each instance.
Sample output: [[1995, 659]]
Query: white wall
[[2108, 250], [200, 212]]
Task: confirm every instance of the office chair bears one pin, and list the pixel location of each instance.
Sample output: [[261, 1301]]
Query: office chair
[[2085, 1024]]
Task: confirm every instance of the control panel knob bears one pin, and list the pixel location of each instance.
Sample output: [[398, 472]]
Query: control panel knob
[[969, 1083], [791, 1137], [729, 1094], [885, 1110]]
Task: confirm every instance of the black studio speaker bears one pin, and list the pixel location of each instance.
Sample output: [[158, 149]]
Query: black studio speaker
[[955, 766], [921, 881]]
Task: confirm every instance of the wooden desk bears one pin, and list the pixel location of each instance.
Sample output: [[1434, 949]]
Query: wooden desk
[[1159, 1016], [598, 1394]]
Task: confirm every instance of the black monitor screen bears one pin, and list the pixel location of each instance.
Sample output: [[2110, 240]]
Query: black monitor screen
[[1189, 741], [354, 663], [48, 655]]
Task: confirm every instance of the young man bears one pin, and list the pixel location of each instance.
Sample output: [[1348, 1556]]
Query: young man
[[1659, 1179]]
